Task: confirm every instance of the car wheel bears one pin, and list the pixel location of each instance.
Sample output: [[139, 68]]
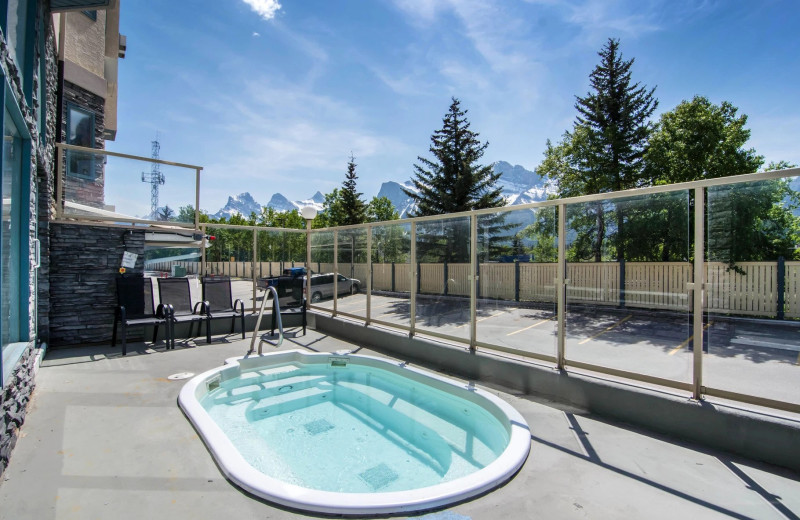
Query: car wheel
[[354, 289], [316, 297]]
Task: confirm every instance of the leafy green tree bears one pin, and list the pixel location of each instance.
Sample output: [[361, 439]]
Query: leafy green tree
[[333, 211], [186, 214], [451, 182], [381, 209], [699, 140]]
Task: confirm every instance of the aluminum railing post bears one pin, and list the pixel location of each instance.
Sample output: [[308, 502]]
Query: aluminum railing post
[[698, 292], [473, 286], [412, 267], [561, 287]]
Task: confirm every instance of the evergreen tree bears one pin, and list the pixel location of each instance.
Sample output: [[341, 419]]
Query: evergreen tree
[[354, 209], [451, 182], [604, 151], [454, 181]]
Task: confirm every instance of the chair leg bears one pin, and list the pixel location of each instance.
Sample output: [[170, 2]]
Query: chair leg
[[124, 338], [242, 318], [304, 322], [114, 331], [155, 333], [208, 330], [233, 324]]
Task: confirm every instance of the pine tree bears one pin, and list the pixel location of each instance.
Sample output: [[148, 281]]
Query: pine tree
[[607, 144], [452, 182], [353, 207]]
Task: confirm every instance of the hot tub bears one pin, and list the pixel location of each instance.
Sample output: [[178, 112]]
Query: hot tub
[[352, 434]]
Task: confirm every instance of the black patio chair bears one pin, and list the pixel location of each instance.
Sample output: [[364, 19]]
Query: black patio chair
[[217, 292], [135, 308], [294, 305], [175, 293]]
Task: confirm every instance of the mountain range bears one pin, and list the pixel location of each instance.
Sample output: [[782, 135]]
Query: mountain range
[[519, 186]]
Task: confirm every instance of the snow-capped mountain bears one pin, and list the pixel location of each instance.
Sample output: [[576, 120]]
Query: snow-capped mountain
[[519, 186], [242, 204], [401, 202]]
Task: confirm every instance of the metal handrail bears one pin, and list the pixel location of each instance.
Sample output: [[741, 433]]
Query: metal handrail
[[276, 308]]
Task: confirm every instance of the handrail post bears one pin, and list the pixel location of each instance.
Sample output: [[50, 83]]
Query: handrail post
[[561, 287], [335, 269], [473, 287], [698, 292], [253, 264], [197, 198], [369, 273], [414, 277]]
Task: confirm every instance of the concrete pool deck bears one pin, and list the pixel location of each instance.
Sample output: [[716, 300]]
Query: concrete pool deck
[[104, 438]]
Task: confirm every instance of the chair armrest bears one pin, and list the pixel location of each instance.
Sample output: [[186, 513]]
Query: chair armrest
[[238, 303], [164, 310], [122, 313], [205, 308]]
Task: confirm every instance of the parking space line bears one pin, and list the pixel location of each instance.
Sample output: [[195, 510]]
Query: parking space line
[[617, 324], [530, 326], [687, 340], [484, 318]]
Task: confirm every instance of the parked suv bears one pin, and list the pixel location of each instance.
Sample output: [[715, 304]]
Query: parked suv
[[322, 286]]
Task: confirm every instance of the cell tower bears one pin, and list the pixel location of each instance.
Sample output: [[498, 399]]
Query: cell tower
[[155, 178]]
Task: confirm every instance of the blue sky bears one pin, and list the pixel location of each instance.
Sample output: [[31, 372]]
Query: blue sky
[[273, 97]]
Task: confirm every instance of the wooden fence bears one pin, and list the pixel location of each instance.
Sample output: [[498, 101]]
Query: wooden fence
[[763, 289]]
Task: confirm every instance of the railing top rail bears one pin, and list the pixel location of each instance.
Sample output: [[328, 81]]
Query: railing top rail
[[101, 151], [250, 228], [634, 192]]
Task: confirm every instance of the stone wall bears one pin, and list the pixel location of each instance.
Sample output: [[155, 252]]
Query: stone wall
[[17, 389], [16, 395], [84, 261]]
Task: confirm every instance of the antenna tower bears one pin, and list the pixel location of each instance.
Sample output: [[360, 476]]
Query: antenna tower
[[155, 178]]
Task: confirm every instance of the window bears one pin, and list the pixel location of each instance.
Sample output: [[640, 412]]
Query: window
[[10, 233], [91, 14], [80, 132]]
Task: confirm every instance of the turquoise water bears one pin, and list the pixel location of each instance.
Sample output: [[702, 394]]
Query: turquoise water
[[353, 429]]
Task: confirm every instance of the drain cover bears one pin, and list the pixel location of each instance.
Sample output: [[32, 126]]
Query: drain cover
[[379, 476], [318, 426], [180, 375]]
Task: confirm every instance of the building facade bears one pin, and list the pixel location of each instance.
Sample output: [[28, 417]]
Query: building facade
[[58, 62]]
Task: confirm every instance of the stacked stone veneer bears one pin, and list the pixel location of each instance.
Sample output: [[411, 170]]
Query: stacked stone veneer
[[16, 394], [17, 389], [84, 261]]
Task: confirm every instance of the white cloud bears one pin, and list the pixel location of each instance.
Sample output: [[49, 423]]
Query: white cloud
[[256, 35], [264, 8]]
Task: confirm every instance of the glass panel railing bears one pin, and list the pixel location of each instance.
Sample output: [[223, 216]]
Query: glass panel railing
[[628, 305], [443, 277], [391, 274], [517, 261], [117, 189], [752, 283], [322, 268], [351, 279]]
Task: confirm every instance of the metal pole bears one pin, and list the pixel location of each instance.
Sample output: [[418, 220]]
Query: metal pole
[[197, 198], [308, 263], [253, 263], [699, 286], [561, 286], [204, 231], [412, 267], [473, 287]]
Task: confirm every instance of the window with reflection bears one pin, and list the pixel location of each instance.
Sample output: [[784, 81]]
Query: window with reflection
[[80, 132]]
